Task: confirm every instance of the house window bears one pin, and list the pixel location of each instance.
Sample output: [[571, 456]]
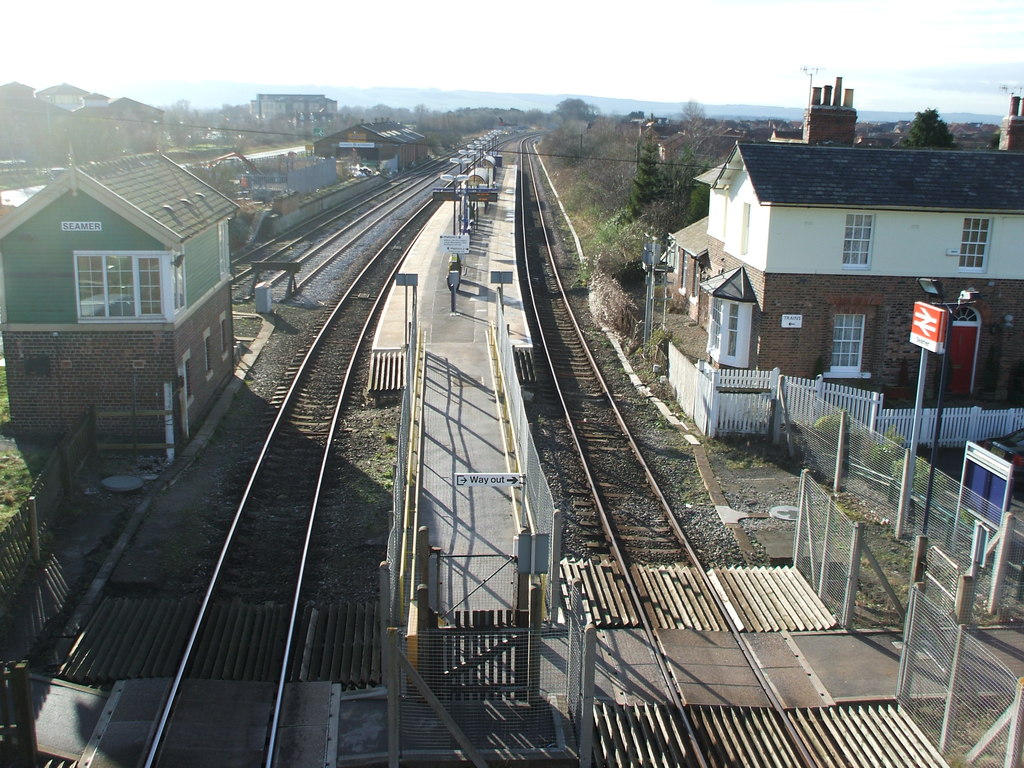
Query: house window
[[207, 357], [974, 243], [847, 343], [729, 332], [225, 337], [118, 285], [857, 240]]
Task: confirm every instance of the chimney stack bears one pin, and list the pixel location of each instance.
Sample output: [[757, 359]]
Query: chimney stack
[[830, 118], [1011, 133]]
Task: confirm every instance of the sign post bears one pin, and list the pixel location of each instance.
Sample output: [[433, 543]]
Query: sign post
[[928, 330]]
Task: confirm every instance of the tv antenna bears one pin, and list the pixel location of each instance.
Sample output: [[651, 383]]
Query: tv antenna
[[1013, 90], [810, 72]]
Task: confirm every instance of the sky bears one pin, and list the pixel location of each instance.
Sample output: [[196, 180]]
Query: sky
[[950, 55]]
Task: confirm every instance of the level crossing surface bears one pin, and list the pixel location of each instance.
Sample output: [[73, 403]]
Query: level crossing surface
[[464, 430]]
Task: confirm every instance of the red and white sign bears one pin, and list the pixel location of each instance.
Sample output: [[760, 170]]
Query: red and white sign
[[929, 327]]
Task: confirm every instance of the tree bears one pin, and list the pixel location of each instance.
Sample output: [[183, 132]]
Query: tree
[[647, 183], [576, 109], [929, 130]]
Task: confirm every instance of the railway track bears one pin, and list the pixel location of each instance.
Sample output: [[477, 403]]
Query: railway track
[[638, 524], [264, 556], [313, 245]]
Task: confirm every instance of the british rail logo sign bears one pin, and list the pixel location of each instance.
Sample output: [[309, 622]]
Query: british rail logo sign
[[488, 478], [929, 327]]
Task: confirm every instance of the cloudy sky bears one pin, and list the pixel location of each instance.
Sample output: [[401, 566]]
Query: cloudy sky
[[952, 55]]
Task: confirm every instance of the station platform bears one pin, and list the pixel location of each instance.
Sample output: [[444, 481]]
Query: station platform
[[464, 431]]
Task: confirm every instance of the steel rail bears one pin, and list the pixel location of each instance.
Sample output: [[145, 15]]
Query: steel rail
[[660, 658], [290, 396], [797, 742]]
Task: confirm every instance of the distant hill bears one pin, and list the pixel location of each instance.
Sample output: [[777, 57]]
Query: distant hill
[[213, 94]]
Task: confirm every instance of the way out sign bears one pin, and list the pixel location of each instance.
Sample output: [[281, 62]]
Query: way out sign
[[929, 327], [488, 478]]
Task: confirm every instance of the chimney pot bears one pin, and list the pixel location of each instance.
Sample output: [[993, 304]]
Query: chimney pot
[[827, 96], [1014, 106], [838, 92], [816, 95], [848, 97]]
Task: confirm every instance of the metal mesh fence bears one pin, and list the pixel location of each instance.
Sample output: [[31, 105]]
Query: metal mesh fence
[[870, 476], [468, 583], [499, 686], [823, 541], [401, 486], [539, 502], [960, 695]]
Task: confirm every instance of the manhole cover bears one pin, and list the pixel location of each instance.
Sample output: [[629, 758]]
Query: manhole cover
[[122, 483], [784, 512]]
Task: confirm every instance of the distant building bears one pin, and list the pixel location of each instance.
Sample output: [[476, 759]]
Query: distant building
[[115, 283], [388, 146], [67, 97], [293, 106]]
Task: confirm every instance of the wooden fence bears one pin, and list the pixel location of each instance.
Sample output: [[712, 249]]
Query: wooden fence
[[19, 541]]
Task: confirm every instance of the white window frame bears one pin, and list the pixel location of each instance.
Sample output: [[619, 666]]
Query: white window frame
[[975, 238], [178, 282], [224, 244], [729, 332], [857, 240], [856, 324], [163, 259]]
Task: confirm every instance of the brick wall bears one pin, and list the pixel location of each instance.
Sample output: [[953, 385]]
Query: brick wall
[[53, 376], [887, 304], [830, 125]]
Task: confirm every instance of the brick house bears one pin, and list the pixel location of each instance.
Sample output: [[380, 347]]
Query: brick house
[[810, 256], [115, 292]]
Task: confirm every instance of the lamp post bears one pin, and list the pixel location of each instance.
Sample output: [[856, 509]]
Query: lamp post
[[455, 180]]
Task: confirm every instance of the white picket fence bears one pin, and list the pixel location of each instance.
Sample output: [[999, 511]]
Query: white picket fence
[[958, 424], [727, 401]]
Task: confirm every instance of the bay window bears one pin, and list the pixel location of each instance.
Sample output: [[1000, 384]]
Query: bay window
[[729, 332]]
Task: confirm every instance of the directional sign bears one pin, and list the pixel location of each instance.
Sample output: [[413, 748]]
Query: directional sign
[[489, 478], [929, 327], [455, 243]]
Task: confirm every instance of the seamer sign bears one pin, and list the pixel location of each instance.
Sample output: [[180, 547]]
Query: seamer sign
[[929, 327]]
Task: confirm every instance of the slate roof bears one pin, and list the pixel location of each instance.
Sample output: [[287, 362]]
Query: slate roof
[[733, 285], [152, 192], [803, 175], [694, 238], [163, 190]]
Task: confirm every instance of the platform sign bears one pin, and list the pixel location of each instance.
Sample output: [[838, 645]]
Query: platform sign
[[455, 243], [986, 484], [929, 327], [490, 478]]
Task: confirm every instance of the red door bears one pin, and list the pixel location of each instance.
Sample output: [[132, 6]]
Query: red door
[[963, 342]]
